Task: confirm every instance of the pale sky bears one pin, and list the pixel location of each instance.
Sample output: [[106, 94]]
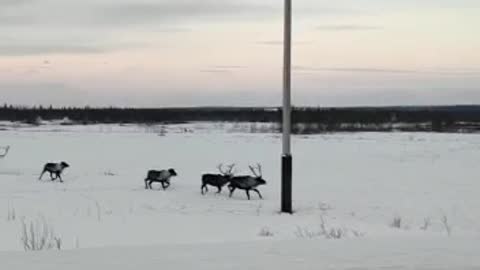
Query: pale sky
[[152, 53]]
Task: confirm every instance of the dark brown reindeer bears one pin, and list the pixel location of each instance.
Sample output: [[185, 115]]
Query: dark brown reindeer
[[248, 182], [162, 177], [217, 180], [55, 170]]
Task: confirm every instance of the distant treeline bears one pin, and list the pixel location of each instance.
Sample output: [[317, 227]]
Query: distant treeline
[[305, 119]]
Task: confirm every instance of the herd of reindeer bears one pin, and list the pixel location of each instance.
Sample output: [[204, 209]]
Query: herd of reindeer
[[226, 176]]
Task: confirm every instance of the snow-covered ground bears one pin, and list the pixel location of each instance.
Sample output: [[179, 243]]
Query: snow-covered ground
[[348, 186]]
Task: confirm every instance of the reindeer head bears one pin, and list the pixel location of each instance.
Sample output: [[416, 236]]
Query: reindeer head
[[257, 172], [228, 172], [172, 172], [64, 164]]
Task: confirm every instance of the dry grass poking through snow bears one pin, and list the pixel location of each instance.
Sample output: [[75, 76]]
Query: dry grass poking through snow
[[39, 235], [326, 231], [266, 232]]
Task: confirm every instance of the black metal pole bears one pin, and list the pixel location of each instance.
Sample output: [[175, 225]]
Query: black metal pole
[[287, 113], [287, 184]]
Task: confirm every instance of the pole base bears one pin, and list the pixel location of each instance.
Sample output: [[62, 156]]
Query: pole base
[[287, 184]]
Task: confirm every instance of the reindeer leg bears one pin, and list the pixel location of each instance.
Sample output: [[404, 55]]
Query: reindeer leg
[[43, 172], [59, 177], [232, 189], [258, 192], [165, 185], [202, 189], [51, 176], [146, 183], [248, 193], [219, 189]]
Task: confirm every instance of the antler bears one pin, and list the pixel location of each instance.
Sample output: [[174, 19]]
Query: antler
[[228, 171], [230, 168], [219, 167], [259, 168]]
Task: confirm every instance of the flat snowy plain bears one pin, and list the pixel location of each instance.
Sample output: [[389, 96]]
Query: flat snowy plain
[[394, 200]]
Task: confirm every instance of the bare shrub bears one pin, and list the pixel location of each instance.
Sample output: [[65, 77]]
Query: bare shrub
[[259, 209], [335, 233], [253, 128], [323, 226], [99, 211], [357, 233], [58, 243], [162, 131], [11, 213], [39, 235], [325, 231], [446, 225], [109, 173], [304, 232], [426, 224], [76, 242], [396, 222], [324, 207], [265, 232], [332, 233]]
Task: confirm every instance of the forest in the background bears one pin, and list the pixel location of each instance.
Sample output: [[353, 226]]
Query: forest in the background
[[306, 120]]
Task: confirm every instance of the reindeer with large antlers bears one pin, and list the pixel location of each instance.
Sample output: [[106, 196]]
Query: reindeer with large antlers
[[248, 182], [217, 180]]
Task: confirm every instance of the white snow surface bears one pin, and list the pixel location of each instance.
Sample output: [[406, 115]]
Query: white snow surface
[[352, 183]]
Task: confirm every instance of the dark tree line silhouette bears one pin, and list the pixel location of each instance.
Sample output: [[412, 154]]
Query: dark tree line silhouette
[[305, 119]]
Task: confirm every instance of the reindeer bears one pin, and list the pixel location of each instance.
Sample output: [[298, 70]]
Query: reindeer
[[248, 182], [55, 169], [217, 180], [162, 177]]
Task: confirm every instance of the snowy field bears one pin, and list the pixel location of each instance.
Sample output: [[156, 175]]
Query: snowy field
[[362, 200]]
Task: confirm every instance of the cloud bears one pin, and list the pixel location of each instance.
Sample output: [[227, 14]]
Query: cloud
[[229, 67], [8, 3], [280, 42], [25, 49], [6, 20], [27, 93], [93, 26], [34, 69], [270, 42], [222, 69], [347, 27], [354, 69], [118, 13], [16, 47], [389, 97], [215, 71], [179, 10], [446, 72]]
